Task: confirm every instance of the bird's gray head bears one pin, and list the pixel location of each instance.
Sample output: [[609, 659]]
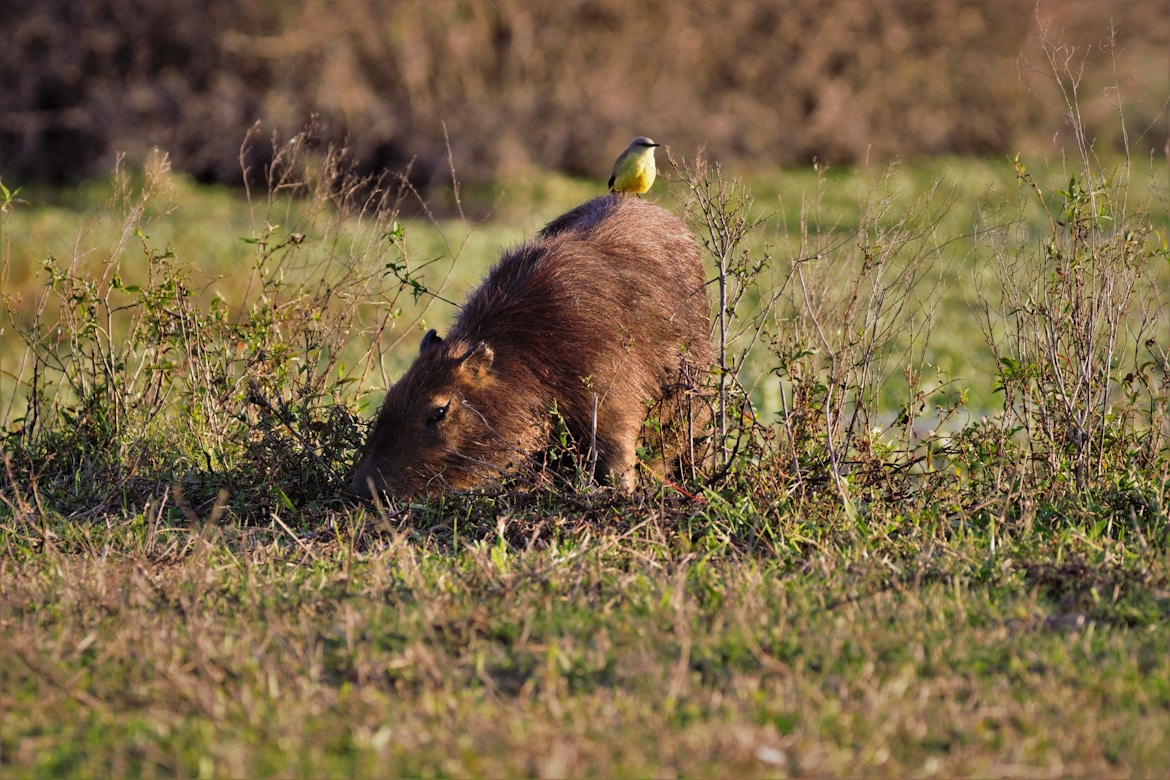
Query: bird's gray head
[[642, 141]]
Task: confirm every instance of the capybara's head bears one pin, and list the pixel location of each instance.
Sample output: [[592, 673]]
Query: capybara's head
[[437, 429]]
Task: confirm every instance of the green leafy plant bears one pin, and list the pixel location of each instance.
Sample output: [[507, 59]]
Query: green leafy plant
[[167, 380], [1078, 323]]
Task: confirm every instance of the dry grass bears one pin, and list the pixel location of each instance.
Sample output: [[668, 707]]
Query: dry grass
[[564, 646]]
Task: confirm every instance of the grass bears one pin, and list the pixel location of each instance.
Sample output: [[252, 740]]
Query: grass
[[618, 640], [892, 569]]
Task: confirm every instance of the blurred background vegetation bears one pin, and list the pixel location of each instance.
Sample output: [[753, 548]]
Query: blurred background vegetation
[[513, 85]]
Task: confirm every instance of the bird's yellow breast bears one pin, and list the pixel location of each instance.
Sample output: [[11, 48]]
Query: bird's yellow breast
[[635, 174]]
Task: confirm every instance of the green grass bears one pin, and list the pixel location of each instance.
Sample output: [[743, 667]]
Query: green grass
[[208, 229], [184, 592], [618, 641]]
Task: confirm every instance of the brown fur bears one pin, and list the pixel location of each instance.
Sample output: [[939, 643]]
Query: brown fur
[[609, 299]]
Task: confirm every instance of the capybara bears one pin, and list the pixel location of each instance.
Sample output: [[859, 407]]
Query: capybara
[[602, 319]]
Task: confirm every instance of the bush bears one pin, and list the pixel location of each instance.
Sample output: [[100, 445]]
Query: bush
[[132, 389], [562, 86]]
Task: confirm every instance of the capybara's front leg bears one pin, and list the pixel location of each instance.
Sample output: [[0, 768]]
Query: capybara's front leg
[[617, 456]]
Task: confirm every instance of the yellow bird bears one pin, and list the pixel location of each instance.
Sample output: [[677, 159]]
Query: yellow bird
[[633, 171]]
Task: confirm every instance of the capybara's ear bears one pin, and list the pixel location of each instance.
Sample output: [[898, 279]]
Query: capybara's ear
[[431, 339], [477, 360]]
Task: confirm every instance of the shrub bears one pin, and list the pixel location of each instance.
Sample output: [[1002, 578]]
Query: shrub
[[130, 389]]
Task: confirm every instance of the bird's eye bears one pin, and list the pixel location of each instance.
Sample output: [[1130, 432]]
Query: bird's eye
[[438, 413]]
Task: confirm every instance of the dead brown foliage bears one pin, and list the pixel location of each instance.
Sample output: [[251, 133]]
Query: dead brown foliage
[[561, 85]]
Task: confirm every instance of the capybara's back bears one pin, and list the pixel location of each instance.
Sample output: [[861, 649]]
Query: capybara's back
[[602, 319]]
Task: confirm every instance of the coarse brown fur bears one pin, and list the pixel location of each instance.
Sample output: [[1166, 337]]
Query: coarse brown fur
[[608, 302]]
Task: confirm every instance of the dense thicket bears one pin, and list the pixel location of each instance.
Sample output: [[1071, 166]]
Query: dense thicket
[[560, 85]]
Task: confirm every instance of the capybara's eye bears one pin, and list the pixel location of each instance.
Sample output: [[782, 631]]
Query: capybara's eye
[[438, 413]]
